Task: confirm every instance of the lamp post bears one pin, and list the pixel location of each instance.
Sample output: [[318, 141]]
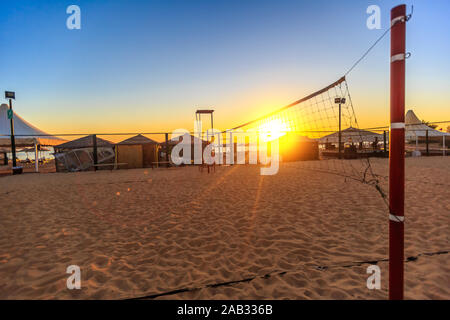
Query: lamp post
[[339, 101], [10, 95]]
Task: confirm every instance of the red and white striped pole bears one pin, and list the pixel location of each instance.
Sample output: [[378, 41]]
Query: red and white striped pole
[[397, 153]]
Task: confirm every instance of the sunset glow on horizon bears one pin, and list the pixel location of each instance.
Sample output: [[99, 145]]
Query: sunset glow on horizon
[[146, 67]]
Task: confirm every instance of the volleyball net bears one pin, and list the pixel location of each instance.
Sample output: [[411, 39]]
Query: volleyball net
[[321, 129]]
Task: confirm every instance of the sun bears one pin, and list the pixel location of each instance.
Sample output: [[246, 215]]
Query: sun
[[272, 130]]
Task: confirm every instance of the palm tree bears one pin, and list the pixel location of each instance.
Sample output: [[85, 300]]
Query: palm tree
[[432, 126]]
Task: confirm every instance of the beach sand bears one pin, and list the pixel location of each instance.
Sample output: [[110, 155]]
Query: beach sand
[[299, 234]]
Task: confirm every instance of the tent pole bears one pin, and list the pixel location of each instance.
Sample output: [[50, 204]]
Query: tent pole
[[443, 146], [115, 156], [340, 135], [36, 157], [167, 149], [94, 144]]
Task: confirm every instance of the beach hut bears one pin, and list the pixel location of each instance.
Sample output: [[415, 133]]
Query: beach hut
[[137, 152], [294, 147], [78, 155]]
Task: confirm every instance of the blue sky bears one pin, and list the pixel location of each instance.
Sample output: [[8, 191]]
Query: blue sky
[[147, 65]]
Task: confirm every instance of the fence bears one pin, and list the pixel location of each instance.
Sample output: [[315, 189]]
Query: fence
[[153, 149]]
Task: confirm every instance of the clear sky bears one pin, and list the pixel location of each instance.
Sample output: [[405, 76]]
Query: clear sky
[[148, 65]]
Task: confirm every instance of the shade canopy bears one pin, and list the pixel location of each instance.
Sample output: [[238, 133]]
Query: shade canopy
[[33, 149], [354, 135], [416, 128], [26, 134]]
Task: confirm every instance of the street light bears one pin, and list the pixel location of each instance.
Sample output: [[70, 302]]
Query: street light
[[10, 95]]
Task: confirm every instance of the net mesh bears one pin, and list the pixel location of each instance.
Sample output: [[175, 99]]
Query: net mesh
[[318, 120]]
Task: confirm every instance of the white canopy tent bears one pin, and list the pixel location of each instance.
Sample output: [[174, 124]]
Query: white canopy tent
[[415, 128], [26, 135], [354, 135]]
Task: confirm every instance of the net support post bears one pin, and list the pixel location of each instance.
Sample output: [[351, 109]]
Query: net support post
[[397, 153], [443, 146], [340, 134], [166, 135], [94, 144], [36, 157]]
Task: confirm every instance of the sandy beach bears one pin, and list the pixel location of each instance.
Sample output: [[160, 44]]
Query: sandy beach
[[299, 234]]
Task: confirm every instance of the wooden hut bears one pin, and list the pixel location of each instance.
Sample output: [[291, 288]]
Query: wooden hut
[[137, 152]]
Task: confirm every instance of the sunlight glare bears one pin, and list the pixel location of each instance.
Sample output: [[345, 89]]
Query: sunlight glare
[[272, 130]]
